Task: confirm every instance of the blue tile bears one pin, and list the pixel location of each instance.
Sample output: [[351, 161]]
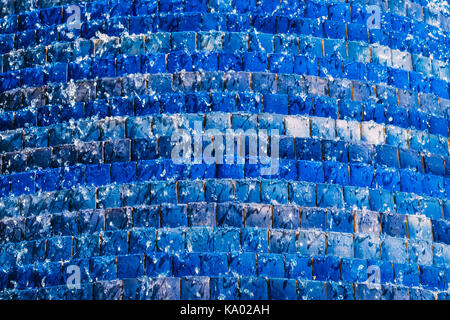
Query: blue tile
[[229, 215], [394, 249], [103, 268], [367, 246], [47, 180], [107, 290], [166, 289], [146, 216], [173, 215], [195, 288], [258, 215], [114, 243], [406, 274], [282, 289], [171, 240], [136, 289], [65, 224], [226, 239], [86, 246], [213, 264], [109, 196], [98, 174], [123, 172], [36, 227], [158, 264], [367, 292], [441, 231], [393, 224], [326, 268], [311, 242], [329, 196], [224, 288], [353, 270], [432, 278], [297, 266], [199, 239], [219, 191], [255, 61], [276, 103], [247, 191], [283, 241], [49, 274], [254, 240], [59, 248], [286, 217], [22, 183], [253, 288], [312, 290], [390, 292], [261, 41], [274, 192], [158, 197], [339, 291], [130, 266]]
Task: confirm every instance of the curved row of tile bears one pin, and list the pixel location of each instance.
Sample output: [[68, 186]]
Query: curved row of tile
[[224, 288], [213, 40], [34, 208], [334, 10]]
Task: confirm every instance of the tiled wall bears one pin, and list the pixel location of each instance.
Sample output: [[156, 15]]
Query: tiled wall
[[87, 178]]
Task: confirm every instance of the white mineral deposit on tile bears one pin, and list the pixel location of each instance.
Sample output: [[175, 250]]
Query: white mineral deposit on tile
[[372, 132], [297, 126]]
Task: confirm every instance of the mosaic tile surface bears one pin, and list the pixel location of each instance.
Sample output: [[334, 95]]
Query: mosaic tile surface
[[224, 149]]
